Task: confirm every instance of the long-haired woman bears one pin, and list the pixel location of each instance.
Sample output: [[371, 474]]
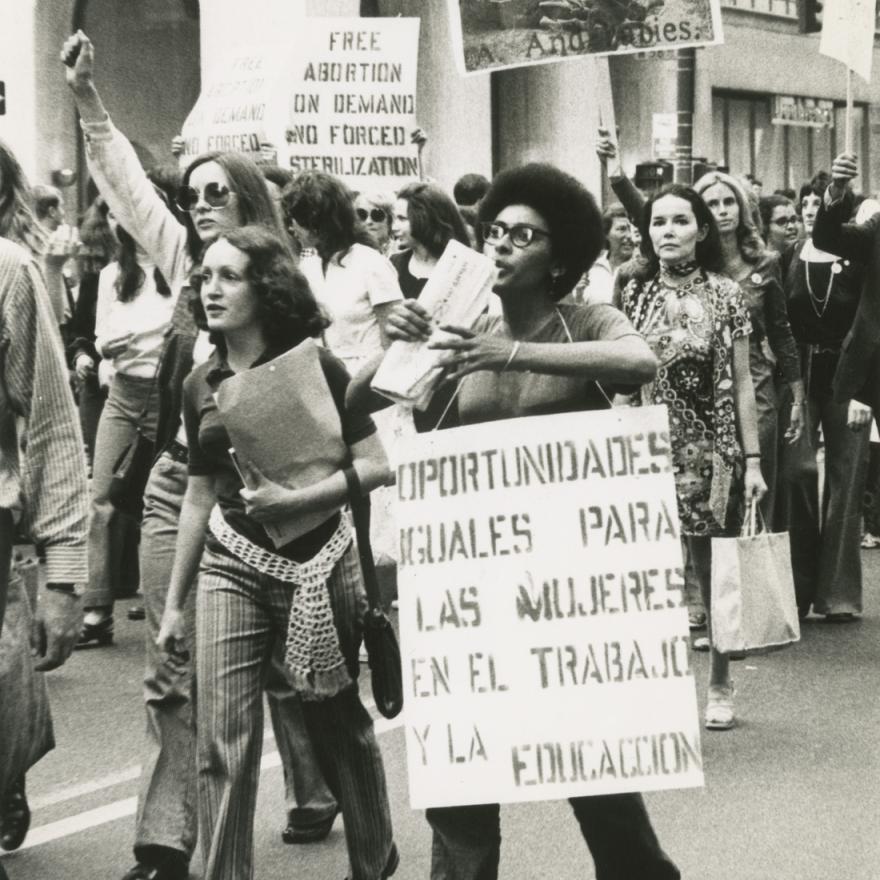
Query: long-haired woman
[[425, 221], [697, 323], [257, 306], [756, 270], [220, 192]]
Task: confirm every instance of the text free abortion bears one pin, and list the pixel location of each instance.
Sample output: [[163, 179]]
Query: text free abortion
[[562, 461]]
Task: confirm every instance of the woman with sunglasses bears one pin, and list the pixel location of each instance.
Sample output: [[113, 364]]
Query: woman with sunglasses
[[542, 230], [780, 222], [257, 306], [374, 210], [425, 221], [697, 323], [221, 191]]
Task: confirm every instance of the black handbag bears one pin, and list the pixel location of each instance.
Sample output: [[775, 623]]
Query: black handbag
[[383, 652], [130, 474]]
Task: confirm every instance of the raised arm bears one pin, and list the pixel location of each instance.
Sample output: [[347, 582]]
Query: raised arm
[[852, 241], [118, 173], [625, 190]]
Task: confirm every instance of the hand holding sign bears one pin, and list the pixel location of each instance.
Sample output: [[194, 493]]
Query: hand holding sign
[[78, 54]]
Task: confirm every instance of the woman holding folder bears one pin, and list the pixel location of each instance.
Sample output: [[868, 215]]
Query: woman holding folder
[[251, 592], [542, 229]]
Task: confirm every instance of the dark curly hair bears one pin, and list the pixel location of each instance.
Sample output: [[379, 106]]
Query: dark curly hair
[[252, 195], [324, 205], [708, 256], [434, 219], [287, 309], [768, 204], [816, 187], [566, 206]]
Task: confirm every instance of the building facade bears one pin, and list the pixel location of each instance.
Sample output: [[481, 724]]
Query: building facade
[[766, 103]]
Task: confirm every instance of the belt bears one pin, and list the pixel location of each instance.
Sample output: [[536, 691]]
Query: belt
[[815, 349], [177, 452]]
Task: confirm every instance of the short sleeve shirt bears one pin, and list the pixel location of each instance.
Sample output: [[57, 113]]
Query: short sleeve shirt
[[488, 396], [208, 444]]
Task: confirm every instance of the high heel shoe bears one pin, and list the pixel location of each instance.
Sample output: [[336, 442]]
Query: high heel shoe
[[15, 818], [94, 635]]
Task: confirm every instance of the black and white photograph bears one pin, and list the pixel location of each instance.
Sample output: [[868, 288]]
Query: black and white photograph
[[439, 439]]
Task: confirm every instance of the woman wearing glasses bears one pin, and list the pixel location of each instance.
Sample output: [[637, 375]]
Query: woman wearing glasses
[[780, 222], [374, 210], [542, 229], [221, 191], [425, 221]]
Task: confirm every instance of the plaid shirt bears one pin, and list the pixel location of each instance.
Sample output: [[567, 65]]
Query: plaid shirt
[[42, 464]]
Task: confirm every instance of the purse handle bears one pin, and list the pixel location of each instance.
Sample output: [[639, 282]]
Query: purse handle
[[753, 522], [360, 513]]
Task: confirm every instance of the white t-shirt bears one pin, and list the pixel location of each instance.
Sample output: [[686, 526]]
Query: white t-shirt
[[146, 316], [353, 284]]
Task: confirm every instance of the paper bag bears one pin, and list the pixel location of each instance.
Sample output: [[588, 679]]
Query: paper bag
[[281, 417], [456, 293], [753, 600]]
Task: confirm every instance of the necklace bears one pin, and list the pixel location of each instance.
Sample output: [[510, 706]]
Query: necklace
[[819, 302]]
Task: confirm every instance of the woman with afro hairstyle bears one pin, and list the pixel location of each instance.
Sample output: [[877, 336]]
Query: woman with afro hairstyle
[[543, 230]]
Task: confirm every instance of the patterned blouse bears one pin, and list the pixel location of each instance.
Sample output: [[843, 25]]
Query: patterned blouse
[[691, 328]]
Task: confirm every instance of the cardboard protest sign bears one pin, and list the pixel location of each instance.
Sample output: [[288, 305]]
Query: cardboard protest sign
[[543, 627], [488, 35], [240, 108], [848, 34], [352, 99]]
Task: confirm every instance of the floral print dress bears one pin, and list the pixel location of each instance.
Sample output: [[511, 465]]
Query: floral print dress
[[691, 326]]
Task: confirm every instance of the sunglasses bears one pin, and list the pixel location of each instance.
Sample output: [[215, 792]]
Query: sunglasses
[[377, 215], [521, 234], [215, 194]]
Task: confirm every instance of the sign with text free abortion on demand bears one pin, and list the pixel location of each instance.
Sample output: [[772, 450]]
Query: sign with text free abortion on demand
[[352, 100], [543, 627]]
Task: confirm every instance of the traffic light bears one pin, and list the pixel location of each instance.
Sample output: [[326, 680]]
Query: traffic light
[[810, 16]]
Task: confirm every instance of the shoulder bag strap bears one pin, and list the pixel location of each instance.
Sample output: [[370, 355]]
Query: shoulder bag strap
[[360, 513]]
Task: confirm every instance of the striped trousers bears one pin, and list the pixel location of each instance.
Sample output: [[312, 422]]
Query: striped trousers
[[240, 617]]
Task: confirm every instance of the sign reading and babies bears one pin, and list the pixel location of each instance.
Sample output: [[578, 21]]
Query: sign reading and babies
[[490, 35], [543, 627]]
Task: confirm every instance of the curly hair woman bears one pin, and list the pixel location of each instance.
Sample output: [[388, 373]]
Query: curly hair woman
[[257, 305]]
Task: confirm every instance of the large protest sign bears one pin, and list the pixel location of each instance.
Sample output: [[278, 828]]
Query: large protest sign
[[543, 628], [241, 106], [488, 35], [352, 100]]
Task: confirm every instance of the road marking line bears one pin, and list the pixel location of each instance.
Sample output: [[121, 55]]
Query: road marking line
[[128, 806]]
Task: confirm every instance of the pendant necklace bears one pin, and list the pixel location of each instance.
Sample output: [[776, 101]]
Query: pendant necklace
[[818, 302]]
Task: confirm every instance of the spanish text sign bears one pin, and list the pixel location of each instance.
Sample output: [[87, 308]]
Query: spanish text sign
[[543, 627], [488, 35], [352, 99]]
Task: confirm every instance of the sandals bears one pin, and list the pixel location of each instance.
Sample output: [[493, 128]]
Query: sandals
[[719, 707], [870, 542], [696, 619]]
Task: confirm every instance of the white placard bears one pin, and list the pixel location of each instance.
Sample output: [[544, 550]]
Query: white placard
[[352, 99], [543, 627]]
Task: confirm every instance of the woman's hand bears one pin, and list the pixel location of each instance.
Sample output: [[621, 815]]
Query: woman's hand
[[112, 348], [407, 321], [84, 366], [78, 55], [858, 415], [419, 138], [172, 633], [267, 501], [797, 423], [606, 149], [469, 352], [755, 487]]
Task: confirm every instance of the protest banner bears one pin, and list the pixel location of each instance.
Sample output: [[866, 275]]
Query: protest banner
[[352, 100], [543, 627], [240, 108], [489, 36]]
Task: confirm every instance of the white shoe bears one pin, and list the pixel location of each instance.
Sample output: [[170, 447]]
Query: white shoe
[[719, 707]]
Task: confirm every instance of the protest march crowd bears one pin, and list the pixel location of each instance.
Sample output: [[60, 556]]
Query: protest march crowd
[[198, 309]]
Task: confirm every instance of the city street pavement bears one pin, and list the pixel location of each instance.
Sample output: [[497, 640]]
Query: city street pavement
[[791, 793]]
